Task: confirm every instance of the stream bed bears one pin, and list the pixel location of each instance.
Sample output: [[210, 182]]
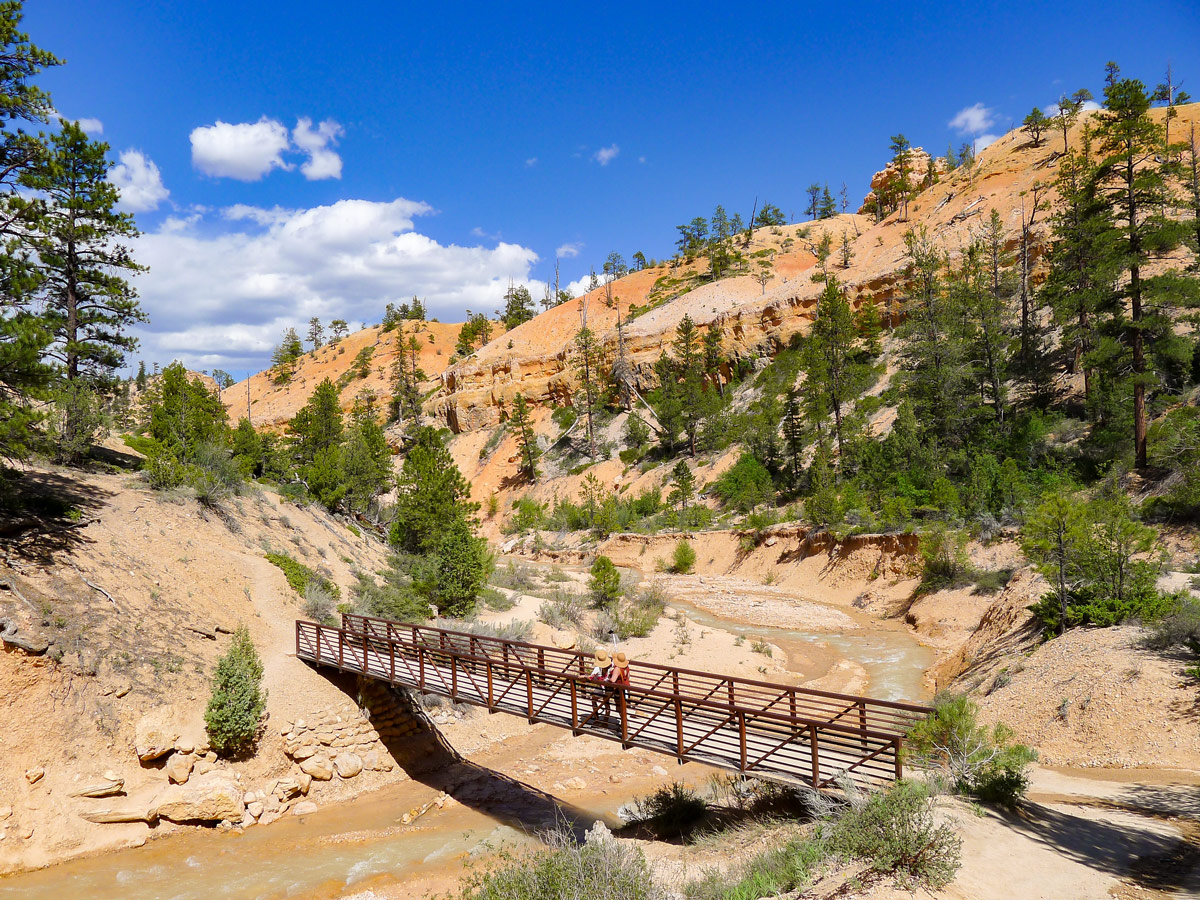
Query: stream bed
[[361, 842]]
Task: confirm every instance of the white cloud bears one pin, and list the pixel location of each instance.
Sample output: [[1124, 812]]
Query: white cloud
[[605, 155], [1088, 106], [92, 126], [973, 119], [569, 251], [139, 181], [531, 162], [245, 151], [224, 298], [984, 141], [579, 286], [322, 161]]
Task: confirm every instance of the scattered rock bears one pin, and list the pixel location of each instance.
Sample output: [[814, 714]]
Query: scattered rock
[[5, 812], [319, 767], [107, 788], [303, 808], [34, 775], [122, 690], [575, 784], [204, 766], [268, 817], [213, 797], [305, 781], [302, 752], [659, 771], [26, 832], [347, 764], [255, 809]]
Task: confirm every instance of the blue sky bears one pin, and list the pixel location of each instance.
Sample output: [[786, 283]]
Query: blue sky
[[371, 151]]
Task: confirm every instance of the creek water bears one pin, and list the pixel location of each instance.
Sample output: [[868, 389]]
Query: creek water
[[360, 842], [894, 660], [337, 849]]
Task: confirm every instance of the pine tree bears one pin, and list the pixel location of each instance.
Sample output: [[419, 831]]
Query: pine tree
[[1168, 92], [318, 425], [794, 437], [1136, 187], [238, 701], [76, 241], [1081, 285], [141, 375], [365, 458], [828, 206], [668, 403], [847, 251], [935, 375], [431, 495], [338, 329], [526, 439], [283, 359], [588, 357], [902, 186], [814, 200], [1068, 111], [688, 370], [834, 375], [185, 415], [24, 333], [316, 333], [683, 490], [518, 307], [1036, 124]]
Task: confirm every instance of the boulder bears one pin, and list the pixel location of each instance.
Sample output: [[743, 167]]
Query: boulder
[[214, 797], [347, 764], [319, 767], [255, 809], [303, 808], [305, 781], [179, 767], [156, 733], [34, 775]]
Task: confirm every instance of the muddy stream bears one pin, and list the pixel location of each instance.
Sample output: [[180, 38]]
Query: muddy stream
[[351, 846]]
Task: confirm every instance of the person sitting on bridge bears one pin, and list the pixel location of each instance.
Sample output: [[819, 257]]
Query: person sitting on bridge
[[600, 695], [617, 679]]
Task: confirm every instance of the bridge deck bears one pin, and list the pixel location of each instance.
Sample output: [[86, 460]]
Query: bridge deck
[[771, 730]]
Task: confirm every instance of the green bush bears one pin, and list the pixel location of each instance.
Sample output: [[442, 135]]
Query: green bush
[[599, 869], [319, 605], [773, 872], [528, 515], [986, 763], [684, 558], [300, 576], [564, 611], [238, 700], [745, 484], [672, 810], [944, 560], [395, 599], [896, 833]]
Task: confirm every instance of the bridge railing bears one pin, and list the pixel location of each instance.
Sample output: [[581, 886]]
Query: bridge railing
[[749, 725]]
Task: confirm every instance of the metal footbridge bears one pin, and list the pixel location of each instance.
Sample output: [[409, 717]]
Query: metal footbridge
[[776, 731]]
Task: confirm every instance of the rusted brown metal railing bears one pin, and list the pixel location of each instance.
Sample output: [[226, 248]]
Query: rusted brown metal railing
[[756, 727]]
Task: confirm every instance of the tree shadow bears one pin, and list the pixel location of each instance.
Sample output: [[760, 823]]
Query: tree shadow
[[45, 513], [429, 759], [1151, 860]]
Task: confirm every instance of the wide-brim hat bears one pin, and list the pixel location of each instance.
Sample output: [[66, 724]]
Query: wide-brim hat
[[620, 660], [602, 656]]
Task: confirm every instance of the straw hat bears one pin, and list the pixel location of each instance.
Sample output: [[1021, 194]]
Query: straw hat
[[620, 660], [602, 656]]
